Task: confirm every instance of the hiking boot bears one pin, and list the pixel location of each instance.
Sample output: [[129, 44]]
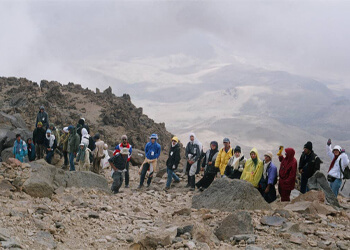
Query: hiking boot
[[64, 167], [139, 187], [126, 186], [187, 186], [166, 188], [191, 189], [176, 181], [201, 189]]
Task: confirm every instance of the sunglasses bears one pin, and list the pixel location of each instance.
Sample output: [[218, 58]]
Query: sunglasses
[[125, 139]]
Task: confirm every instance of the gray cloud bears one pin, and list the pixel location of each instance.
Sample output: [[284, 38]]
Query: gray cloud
[[51, 39]]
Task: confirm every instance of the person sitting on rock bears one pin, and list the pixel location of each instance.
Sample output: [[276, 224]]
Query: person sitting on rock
[[236, 164], [56, 133], [118, 164], [173, 162], [83, 157], [98, 154], [268, 179], [82, 124], [73, 146], [50, 145], [42, 117], [287, 174], [224, 156], [20, 150], [64, 146], [339, 161], [253, 168], [31, 149], [152, 153], [309, 163], [124, 144], [193, 152], [39, 135], [208, 166]]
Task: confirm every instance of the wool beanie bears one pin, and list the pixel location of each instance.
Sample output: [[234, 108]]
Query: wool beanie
[[308, 145]]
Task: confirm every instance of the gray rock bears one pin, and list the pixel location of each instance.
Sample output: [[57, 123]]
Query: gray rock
[[185, 229], [251, 247], [274, 221], [93, 215], [290, 227], [6, 154], [45, 179], [86, 179], [137, 157], [229, 195], [235, 224], [282, 212], [11, 243], [4, 234], [319, 182], [244, 237], [46, 239]]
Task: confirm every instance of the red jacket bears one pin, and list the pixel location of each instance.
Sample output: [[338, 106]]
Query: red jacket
[[288, 170], [120, 146]]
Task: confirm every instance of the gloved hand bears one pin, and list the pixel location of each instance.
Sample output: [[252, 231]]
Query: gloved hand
[[174, 167], [240, 169], [329, 142], [280, 151]]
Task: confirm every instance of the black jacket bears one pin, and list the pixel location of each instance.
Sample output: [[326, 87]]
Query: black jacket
[[118, 161], [193, 149], [309, 164], [174, 157], [47, 144], [210, 156], [39, 136]]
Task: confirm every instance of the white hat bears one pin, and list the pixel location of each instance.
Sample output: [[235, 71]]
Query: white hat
[[337, 147], [124, 151]]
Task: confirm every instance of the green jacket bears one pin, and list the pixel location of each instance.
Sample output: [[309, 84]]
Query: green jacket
[[73, 141], [64, 141]]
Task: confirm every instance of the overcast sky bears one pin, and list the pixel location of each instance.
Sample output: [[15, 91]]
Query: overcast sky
[[59, 40]]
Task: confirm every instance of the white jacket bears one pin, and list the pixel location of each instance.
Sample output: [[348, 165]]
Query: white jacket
[[335, 171]]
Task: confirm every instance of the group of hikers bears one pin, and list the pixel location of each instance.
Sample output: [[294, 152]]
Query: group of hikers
[[75, 142]]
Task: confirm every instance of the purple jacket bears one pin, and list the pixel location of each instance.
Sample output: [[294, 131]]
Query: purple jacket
[[271, 175]]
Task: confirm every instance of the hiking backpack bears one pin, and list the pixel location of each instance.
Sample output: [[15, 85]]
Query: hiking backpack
[[346, 172]]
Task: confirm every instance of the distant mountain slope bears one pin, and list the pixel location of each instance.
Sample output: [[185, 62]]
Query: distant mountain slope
[[107, 114]]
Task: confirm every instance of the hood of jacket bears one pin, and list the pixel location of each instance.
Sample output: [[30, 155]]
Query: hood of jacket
[[84, 132], [195, 141], [256, 152], [290, 153]]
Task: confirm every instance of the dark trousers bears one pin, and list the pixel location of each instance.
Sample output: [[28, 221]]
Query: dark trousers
[[127, 176], [270, 196], [117, 181], [65, 156], [188, 166], [207, 179], [144, 170], [231, 173], [285, 194], [303, 184], [49, 155], [71, 162]]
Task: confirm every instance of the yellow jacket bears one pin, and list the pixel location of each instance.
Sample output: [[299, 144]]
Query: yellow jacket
[[222, 159], [252, 173]]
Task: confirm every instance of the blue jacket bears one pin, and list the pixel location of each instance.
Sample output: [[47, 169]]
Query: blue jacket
[[271, 175], [20, 149], [152, 150]]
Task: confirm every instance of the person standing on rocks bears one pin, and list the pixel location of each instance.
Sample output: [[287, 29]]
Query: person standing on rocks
[[83, 157], [73, 146], [224, 156], [55, 132], [42, 117], [208, 166], [236, 164], [20, 150], [39, 135], [118, 164], [173, 162], [309, 163], [98, 154], [31, 149], [82, 124], [152, 152], [50, 145], [64, 145], [287, 174], [339, 161], [268, 179], [118, 148], [253, 168], [193, 152]]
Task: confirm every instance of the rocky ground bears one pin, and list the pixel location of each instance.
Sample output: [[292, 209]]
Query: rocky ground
[[77, 218]]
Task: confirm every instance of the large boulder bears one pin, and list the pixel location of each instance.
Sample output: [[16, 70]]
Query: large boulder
[[229, 195], [6, 154], [319, 182], [235, 224], [137, 157], [45, 179]]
